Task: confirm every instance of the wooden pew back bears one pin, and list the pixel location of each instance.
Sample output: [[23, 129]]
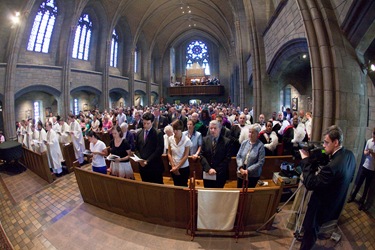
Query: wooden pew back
[[165, 204], [69, 155], [38, 163]]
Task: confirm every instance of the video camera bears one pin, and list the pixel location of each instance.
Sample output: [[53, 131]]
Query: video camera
[[316, 152]]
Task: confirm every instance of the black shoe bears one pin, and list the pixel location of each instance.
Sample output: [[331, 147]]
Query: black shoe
[[351, 199], [362, 207]]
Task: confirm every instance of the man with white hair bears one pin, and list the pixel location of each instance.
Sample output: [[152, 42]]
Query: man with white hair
[[244, 128], [215, 157], [128, 136]]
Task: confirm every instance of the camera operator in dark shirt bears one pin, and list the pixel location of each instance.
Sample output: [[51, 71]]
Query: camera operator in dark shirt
[[330, 184]]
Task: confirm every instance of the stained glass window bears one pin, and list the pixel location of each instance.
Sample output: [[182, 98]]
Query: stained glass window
[[41, 32], [136, 60], [37, 110], [82, 38], [197, 52], [75, 106], [114, 49]]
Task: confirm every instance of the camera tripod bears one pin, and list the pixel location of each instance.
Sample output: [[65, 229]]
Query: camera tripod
[[300, 213]]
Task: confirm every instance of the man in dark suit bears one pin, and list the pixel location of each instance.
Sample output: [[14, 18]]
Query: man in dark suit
[[127, 135], [149, 147], [215, 156], [160, 121], [330, 184], [138, 124], [182, 117], [172, 114]]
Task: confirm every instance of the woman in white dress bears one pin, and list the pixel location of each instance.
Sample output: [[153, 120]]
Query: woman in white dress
[[53, 150], [77, 138], [119, 147], [178, 152]]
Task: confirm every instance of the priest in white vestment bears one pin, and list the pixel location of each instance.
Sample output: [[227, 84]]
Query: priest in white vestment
[[34, 137], [42, 138], [53, 150], [65, 132], [77, 138]]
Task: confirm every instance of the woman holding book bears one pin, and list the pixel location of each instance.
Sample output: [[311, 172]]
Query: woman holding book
[[178, 152], [120, 155], [98, 151]]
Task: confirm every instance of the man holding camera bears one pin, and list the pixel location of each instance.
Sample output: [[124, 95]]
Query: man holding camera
[[330, 184]]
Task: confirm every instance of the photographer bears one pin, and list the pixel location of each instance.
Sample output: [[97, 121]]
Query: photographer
[[330, 184]]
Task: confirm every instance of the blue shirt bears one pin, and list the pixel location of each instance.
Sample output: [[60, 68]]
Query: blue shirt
[[255, 155], [196, 140]]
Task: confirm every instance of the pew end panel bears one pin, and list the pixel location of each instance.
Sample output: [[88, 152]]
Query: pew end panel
[[38, 163], [69, 155]]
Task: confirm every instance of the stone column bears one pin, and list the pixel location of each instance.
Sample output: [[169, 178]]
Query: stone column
[[105, 87], [338, 84], [13, 50], [148, 86], [131, 78], [66, 74]]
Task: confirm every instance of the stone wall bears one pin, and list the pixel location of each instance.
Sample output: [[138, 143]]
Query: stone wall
[[119, 82], [28, 75], [286, 27], [85, 78]]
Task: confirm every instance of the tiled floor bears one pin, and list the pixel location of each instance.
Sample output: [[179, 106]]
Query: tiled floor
[[56, 218]]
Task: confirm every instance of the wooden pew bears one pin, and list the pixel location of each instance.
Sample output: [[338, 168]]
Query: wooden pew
[[38, 163], [165, 204], [69, 155], [271, 165]]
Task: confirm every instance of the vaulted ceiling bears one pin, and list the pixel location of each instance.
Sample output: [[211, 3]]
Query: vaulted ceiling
[[161, 22]]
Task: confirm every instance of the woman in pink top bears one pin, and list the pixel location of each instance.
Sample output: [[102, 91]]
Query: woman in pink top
[[107, 124]]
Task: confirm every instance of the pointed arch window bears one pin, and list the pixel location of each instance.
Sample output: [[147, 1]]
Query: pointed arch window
[[197, 52], [41, 32], [136, 60], [82, 38], [114, 49]]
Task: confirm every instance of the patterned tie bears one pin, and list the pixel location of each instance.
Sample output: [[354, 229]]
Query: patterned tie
[[214, 143], [145, 135]]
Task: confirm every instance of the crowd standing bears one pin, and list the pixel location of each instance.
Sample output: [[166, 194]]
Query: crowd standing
[[209, 133]]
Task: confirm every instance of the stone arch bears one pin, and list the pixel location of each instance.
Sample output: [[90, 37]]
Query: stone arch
[[88, 97], [154, 97], [39, 88], [47, 97], [118, 97], [139, 97], [288, 51]]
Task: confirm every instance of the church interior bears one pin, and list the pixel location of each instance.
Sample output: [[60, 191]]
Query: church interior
[[68, 56]]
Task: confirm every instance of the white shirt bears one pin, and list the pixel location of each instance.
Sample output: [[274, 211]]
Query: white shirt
[[369, 162], [179, 149], [97, 160]]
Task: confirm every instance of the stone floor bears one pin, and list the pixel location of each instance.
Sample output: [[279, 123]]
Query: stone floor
[[55, 217]]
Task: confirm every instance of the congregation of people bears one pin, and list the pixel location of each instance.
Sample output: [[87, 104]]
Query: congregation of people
[[208, 133]]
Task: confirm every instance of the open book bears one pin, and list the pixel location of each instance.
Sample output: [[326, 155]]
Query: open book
[[207, 176], [112, 157], [37, 141], [87, 152], [136, 158]]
